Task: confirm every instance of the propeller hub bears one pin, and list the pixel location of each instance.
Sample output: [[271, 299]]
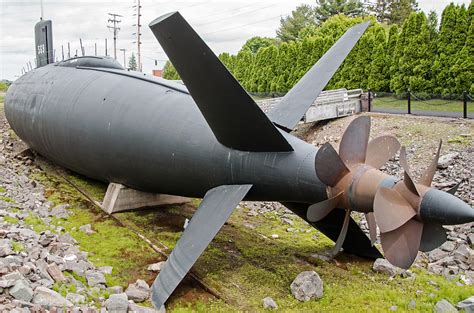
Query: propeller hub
[[444, 208]]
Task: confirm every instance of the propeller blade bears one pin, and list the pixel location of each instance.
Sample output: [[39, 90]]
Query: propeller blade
[[454, 188], [320, 210], [428, 175], [342, 234], [407, 177], [370, 218], [433, 236], [380, 150], [355, 139], [391, 210], [329, 166], [401, 245]]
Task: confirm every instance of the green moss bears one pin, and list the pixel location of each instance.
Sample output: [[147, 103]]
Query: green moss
[[10, 220], [64, 288], [462, 140], [17, 246], [6, 199], [37, 224], [2, 189]]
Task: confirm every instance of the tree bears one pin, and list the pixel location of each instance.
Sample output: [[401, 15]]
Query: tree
[[463, 70], [326, 8], [412, 58], [132, 63], [169, 72], [401, 10], [451, 40], [256, 43], [381, 9], [300, 18]]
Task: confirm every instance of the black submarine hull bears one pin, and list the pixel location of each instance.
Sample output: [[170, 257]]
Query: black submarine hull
[[148, 134]]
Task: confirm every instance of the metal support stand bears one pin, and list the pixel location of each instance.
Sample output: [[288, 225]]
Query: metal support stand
[[119, 198]]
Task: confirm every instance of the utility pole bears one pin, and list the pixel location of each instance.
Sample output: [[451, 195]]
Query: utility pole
[[124, 60], [114, 27], [139, 34]]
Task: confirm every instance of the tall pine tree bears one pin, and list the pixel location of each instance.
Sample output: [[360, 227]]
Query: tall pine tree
[[451, 39]]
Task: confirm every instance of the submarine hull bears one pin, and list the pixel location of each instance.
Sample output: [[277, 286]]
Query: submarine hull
[[148, 134]]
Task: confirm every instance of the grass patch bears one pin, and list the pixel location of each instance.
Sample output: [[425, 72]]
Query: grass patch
[[36, 223], [440, 105], [64, 288], [2, 189], [10, 220], [6, 199], [17, 246]]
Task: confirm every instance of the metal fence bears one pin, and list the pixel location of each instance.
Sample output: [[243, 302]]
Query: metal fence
[[422, 104]]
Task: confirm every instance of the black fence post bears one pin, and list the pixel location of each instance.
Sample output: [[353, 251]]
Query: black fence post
[[370, 100], [464, 102], [409, 101]]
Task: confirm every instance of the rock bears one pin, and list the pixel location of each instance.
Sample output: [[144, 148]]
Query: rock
[[393, 308], [467, 304], [76, 298], [95, 278], [135, 308], [448, 246], [470, 239], [6, 247], [115, 289], [107, 270], [412, 305], [117, 303], [156, 267], [385, 267], [446, 160], [49, 298], [21, 291], [443, 306], [87, 228], [138, 291], [60, 211], [275, 236], [55, 273], [10, 279], [437, 254], [306, 286], [269, 303]]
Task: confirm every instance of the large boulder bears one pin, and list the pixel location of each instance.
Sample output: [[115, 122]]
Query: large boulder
[[467, 305], [443, 306], [95, 278], [49, 298], [117, 303], [385, 267], [21, 291], [138, 291], [306, 286]]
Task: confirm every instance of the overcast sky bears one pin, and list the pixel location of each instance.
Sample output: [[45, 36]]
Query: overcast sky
[[225, 25]]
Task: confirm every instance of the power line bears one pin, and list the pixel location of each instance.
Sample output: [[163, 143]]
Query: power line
[[223, 12], [115, 29], [241, 26], [226, 18]]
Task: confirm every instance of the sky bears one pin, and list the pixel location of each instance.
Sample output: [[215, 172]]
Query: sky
[[225, 25]]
